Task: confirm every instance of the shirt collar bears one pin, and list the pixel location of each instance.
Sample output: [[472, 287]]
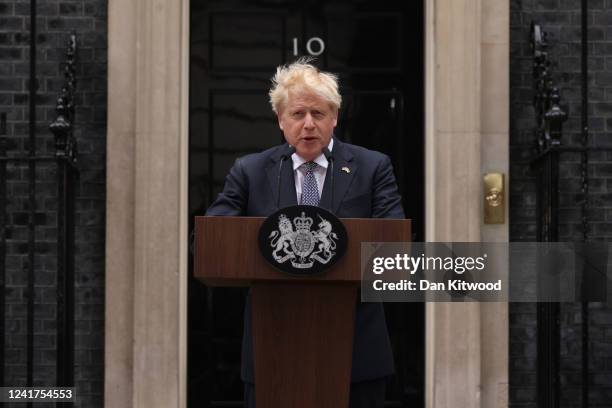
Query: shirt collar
[[321, 160]]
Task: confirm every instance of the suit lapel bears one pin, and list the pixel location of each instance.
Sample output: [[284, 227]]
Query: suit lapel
[[288, 196], [343, 172], [287, 180]]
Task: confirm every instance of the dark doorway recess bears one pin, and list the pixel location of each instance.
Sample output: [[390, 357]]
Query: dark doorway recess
[[376, 47]]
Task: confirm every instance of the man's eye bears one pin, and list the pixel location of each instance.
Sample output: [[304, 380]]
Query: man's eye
[[297, 114]]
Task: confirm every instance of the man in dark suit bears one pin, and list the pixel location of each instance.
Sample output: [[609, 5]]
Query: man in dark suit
[[306, 102]]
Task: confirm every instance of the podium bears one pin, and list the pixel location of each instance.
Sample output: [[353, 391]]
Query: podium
[[302, 326]]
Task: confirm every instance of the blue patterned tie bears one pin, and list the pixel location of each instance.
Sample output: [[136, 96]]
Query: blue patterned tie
[[310, 191]]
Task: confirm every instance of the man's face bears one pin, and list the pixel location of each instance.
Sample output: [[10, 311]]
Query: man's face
[[308, 121]]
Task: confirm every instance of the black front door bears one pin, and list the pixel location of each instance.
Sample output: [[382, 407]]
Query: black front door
[[376, 48]]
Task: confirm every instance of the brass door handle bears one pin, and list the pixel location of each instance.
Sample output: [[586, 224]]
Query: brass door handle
[[494, 208]]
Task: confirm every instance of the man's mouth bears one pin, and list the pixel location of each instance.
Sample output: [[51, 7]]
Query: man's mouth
[[309, 138]]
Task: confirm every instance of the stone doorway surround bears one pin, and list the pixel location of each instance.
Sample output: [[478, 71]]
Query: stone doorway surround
[[467, 105], [146, 207], [467, 135]]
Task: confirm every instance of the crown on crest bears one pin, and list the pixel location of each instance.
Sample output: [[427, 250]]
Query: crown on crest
[[303, 222]]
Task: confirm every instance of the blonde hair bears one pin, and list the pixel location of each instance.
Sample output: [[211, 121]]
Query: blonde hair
[[303, 76]]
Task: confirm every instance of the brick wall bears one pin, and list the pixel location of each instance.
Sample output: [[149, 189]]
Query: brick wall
[[561, 19], [55, 21]]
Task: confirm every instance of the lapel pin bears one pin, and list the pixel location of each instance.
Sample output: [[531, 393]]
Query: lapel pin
[[346, 170]]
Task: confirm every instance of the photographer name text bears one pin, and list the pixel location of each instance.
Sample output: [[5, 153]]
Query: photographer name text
[[426, 285]]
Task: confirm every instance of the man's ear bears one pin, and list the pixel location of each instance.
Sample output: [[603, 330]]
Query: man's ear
[[280, 123]]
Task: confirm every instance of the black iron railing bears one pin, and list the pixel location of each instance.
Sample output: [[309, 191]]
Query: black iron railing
[[549, 125], [67, 172], [3, 224], [550, 116], [64, 158]]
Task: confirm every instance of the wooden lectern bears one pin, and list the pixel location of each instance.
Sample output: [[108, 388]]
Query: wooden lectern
[[302, 326]]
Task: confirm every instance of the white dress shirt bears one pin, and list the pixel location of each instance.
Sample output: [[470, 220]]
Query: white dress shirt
[[319, 173]]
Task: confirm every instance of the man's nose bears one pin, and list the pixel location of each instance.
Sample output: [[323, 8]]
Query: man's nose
[[308, 122]]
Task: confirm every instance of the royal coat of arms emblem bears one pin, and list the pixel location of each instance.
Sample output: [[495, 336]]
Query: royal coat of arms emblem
[[304, 237], [302, 246]]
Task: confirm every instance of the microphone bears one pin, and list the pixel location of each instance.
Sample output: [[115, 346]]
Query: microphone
[[330, 158], [289, 151]]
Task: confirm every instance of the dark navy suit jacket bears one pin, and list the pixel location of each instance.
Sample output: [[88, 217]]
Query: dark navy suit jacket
[[367, 190]]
